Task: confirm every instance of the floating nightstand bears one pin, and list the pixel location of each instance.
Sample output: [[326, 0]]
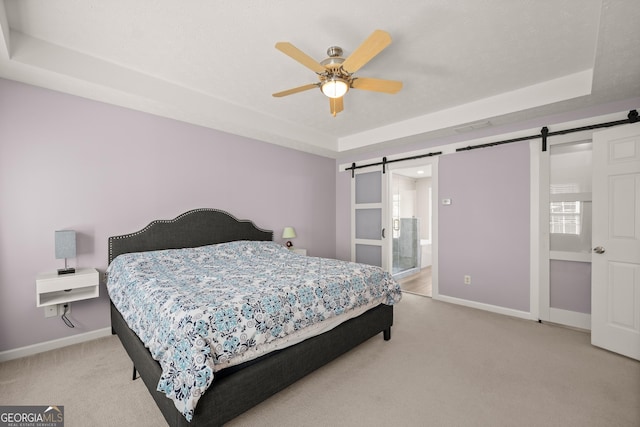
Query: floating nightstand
[[52, 288], [299, 251]]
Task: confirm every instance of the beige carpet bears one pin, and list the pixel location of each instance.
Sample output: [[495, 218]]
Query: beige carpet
[[445, 365]]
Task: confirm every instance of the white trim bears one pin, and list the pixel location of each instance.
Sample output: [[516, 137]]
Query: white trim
[[30, 350], [5, 32], [360, 206], [581, 136], [570, 256], [544, 287], [435, 208], [570, 197], [433, 162], [546, 312], [368, 242], [487, 307], [445, 149], [534, 230], [570, 318]]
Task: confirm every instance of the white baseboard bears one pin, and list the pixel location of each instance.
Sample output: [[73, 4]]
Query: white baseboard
[[487, 307], [53, 344], [570, 318]]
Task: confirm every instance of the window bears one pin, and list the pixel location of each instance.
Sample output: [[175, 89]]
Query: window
[[566, 218], [570, 198]]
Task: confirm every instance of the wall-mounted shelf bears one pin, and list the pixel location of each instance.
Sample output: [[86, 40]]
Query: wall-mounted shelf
[[52, 288]]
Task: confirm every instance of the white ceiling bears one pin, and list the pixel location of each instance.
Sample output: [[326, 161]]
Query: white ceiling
[[213, 63]]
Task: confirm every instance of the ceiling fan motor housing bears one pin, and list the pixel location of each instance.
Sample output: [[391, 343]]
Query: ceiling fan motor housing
[[335, 58], [334, 51], [335, 74]]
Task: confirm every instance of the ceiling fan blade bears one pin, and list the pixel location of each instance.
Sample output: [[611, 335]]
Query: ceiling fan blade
[[295, 53], [336, 105], [372, 46], [376, 85], [296, 90]]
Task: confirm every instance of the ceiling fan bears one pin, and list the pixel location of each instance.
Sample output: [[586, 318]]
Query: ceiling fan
[[335, 73]]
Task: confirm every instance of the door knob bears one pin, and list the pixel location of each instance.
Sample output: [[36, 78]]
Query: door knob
[[598, 250]]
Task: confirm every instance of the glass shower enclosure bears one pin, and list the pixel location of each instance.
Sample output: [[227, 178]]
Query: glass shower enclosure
[[406, 247], [406, 256]]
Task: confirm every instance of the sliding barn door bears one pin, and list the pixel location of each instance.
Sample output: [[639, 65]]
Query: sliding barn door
[[369, 218], [615, 316]]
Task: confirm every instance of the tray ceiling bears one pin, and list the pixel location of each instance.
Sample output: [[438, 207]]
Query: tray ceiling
[[214, 63]]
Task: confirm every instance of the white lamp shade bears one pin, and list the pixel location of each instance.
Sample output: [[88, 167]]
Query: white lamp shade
[[335, 88], [65, 244], [288, 233]]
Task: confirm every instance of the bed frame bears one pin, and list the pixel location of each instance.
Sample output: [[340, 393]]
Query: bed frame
[[239, 388]]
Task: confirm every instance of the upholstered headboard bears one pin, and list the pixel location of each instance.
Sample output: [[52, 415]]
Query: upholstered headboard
[[198, 227]]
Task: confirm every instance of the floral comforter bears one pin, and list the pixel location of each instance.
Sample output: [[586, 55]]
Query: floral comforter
[[198, 308]]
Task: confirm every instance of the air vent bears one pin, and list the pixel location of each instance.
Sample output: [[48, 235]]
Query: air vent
[[473, 126]]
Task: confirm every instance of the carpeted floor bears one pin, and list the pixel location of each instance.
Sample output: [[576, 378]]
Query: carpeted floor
[[445, 365]]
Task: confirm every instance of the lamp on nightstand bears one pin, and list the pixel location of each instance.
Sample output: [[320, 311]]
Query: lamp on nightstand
[[289, 233], [66, 248]]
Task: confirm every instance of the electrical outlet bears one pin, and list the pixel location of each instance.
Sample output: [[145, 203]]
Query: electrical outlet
[[467, 280], [50, 311], [61, 309]]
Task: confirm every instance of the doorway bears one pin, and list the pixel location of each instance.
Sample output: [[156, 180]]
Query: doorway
[[566, 208], [411, 207]]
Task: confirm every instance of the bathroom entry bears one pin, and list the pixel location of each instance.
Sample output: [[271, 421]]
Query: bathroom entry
[[411, 224]]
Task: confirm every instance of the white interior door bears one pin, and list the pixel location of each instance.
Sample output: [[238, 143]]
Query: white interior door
[[565, 200], [615, 286], [369, 219]]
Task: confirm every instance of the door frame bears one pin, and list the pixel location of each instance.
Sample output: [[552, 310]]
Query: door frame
[[544, 311], [433, 161]]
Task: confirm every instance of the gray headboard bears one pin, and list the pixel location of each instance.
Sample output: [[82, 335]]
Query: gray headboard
[[198, 227]]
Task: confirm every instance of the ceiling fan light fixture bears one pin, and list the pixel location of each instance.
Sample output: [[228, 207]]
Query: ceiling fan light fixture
[[335, 87], [336, 73]]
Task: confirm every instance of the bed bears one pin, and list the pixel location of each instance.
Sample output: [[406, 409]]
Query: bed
[[240, 385]]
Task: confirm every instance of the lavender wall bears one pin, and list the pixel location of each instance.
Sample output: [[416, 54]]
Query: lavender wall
[[67, 162], [484, 233]]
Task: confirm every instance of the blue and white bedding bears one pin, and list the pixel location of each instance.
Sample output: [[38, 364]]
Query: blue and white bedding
[[202, 309]]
